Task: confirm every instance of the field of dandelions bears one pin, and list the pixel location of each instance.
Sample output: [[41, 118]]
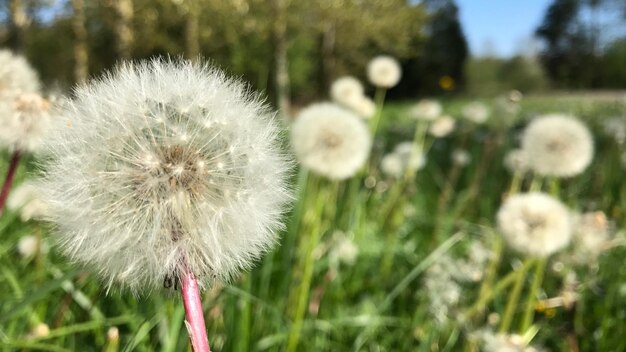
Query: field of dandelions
[[456, 224]]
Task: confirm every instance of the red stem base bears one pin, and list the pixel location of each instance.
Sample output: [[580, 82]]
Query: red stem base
[[8, 181], [194, 316]]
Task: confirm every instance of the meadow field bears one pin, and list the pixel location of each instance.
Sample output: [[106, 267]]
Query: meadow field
[[383, 260]]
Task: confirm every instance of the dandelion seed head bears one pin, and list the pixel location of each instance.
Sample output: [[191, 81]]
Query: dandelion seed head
[[16, 74], [28, 199], [25, 120], [27, 246], [558, 145], [330, 140], [442, 126], [346, 91], [516, 161], [476, 112], [535, 224], [384, 71], [365, 107], [426, 109], [138, 203], [392, 165], [592, 236]]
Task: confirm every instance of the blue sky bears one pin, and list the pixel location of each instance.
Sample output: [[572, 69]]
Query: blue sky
[[500, 27]]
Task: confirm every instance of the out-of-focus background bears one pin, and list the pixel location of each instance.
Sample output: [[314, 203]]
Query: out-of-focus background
[[295, 49]]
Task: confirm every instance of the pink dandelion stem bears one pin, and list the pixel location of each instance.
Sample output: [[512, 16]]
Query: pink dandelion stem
[[6, 187], [194, 315]]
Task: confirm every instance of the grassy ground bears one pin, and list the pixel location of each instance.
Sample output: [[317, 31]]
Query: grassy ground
[[389, 298]]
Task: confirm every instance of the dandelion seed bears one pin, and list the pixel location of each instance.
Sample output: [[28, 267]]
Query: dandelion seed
[[384, 71], [128, 195], [426, 109], [558, 145], [330, 140], [476, 112], [535, 224], [442, 126]]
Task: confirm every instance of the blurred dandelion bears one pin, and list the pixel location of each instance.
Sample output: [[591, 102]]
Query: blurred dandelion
[[16, 74], [516, 161], [558, 145], [461, 157], [330, 140], [426, 109], [535, 224], [166, 171], [28, 246], [384, 71], [28, 199], [23, 113], [442, 126], [476, 112], [346, 91]]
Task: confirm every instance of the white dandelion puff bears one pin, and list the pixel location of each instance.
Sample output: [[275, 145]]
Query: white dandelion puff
[[28, 199], [365, 107], [28, 246], [163, 168], [558, 145], [461, 157], [384, 71], [402, 159], [442, 126], [426, 109], [593, 235], [330, 140], [476, 112], [392, 165], [25, 120], [516, 161], [16, 74], [346, 91], [535, 224]]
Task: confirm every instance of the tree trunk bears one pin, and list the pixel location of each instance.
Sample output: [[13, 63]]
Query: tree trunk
[[328, 55], [18, 23], [124, 28], [280, 56], [81, 56], [192, 28]]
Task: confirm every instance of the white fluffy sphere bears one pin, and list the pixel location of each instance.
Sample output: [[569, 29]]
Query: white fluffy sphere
[[330, 140], [384, 71], [476, 112], [558, 145], [426, 109], [346, 91], [25, 120], [16, 74], [442, 126], [164, 167], [535, 224]]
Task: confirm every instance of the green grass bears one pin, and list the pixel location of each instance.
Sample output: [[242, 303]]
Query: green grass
[[358, 306]]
